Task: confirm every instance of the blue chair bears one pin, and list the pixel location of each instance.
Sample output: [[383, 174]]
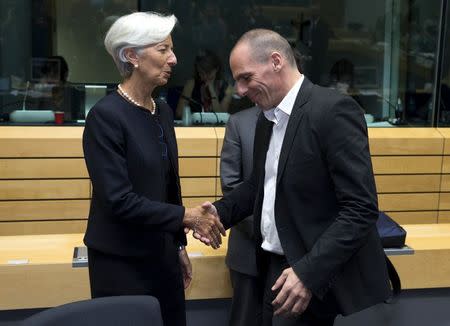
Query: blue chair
[[118, 310]]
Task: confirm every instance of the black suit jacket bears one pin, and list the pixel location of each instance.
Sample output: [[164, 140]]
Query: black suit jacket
[[236, 162], [134, 210], [326, 200]]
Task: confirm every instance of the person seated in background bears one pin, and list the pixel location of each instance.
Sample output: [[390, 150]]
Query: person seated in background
[[53, 82], [342, 78], [207, 92]]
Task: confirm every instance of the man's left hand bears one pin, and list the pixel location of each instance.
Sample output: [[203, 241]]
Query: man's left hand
[[186, 267], [293, 298]]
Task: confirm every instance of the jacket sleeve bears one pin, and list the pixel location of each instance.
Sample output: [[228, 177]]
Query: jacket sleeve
[[231, 166], [105, 155], [231, 158], [344, 144]]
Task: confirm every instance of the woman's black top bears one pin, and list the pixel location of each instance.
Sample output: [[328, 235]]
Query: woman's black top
[[132, 160]]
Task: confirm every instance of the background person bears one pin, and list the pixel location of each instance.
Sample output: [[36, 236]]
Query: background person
[[207, 92], [135, 235]]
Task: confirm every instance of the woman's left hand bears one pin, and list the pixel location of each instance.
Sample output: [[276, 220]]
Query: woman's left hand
[[186, 267]]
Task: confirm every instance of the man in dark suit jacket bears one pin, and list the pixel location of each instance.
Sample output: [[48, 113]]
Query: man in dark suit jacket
[[236, 163], [312, 191]]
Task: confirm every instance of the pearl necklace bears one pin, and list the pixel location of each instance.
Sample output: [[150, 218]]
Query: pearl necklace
[[131, 100]]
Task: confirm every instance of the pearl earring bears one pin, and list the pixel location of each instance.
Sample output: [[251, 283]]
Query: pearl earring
[[136, 66]]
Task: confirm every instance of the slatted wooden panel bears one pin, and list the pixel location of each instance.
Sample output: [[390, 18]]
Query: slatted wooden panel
[[43, 168], [52, 168], [407, 164], [444, 202], [41, 142], [44, 184], [42, 227], [36, 210], [405, 141], [45, 187], [196, 142]]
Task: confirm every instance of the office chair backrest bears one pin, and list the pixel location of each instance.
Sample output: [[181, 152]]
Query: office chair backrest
[[111, 311]]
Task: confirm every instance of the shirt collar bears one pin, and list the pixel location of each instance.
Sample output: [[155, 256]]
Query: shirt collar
[[286, 105]]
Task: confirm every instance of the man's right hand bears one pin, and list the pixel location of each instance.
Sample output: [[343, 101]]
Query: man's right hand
[[205, 224]]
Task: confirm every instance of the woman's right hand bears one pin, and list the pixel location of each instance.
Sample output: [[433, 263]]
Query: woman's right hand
[[205, 224]]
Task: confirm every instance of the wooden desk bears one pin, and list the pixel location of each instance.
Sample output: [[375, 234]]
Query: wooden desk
[[429, 267], [48, 278]]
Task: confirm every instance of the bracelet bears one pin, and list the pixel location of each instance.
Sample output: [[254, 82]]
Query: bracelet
[[181, 247], [196, 223]]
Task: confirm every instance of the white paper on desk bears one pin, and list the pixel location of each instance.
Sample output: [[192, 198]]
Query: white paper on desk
[[18, 261], [195, 254]]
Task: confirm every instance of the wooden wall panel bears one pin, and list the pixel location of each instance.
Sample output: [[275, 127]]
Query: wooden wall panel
[[44, 210], [446, 164], [445, 182], [445, 132], [405, 141], [196, 201], [444, 217], [43, 168], [44, 189], [198, 187], [196, 141], [407, 183], [420, 217], [408, 202], [41, 141], [198, 166], [444, 201], [220, 132], [406, 164], [42, 227]]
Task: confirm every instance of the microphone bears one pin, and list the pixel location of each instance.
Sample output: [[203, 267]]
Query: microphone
[[190, 99], [398, 111], [26, 95]]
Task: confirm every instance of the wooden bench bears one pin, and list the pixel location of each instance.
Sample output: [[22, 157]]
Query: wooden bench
[[48, 279]]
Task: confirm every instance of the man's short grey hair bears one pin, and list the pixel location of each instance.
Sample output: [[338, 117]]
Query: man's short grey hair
[[136, 30], [263, 42]]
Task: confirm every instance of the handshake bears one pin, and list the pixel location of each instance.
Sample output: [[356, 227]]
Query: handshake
[[205, 223]]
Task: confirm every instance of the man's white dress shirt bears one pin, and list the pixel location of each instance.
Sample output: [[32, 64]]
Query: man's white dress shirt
[[280, 117]]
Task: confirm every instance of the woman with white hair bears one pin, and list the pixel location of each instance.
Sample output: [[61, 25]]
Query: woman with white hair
[[135, 235]]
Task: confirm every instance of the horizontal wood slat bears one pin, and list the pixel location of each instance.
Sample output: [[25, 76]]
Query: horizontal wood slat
[[445, 132], [406, 164], [196, 201], [196, 141], [444, 217], [408, 202], [41, 141], [198, 187], [446, 164], [44, 189], [198, 167], [405, 141], [445, 182], [44, 210], [407, 183], [421, 217], [444, 201], [42, 227], [45, 168]]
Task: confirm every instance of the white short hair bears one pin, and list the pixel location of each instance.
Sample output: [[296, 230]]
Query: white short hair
[[136, 30]]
